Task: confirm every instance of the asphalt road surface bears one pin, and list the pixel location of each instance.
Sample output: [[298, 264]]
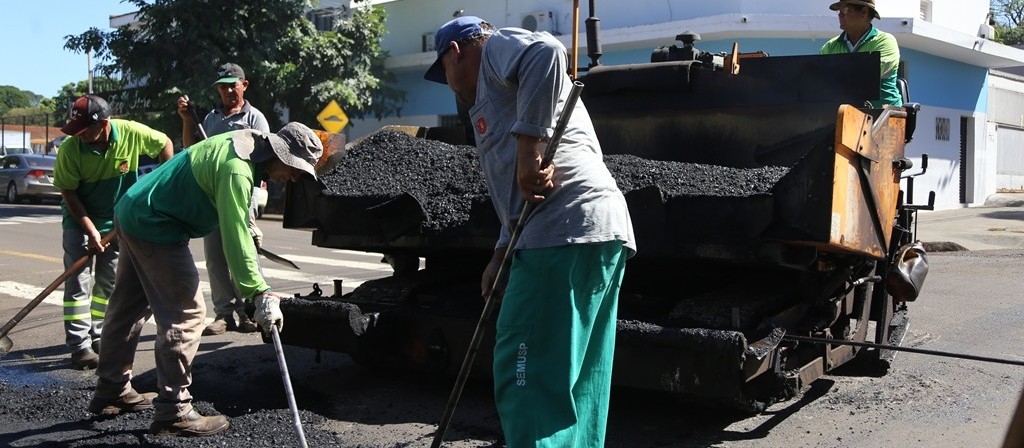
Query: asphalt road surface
[[971, 304]]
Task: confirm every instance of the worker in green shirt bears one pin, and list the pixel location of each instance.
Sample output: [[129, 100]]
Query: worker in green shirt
[[859, 35], [94, 168], [206, 187]]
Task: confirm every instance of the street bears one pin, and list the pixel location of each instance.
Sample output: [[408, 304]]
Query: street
[[970, 304]]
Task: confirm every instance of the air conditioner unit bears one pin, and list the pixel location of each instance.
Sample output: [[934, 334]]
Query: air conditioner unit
[[538, 21], [428, 42]]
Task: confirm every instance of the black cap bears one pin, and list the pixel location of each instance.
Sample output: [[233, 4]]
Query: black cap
[[85, 111], [229, 73]]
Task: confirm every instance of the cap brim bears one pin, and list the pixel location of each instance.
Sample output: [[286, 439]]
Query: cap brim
[[227, 80], [835, 6], [74, 127], [436, 72], [282, 152]]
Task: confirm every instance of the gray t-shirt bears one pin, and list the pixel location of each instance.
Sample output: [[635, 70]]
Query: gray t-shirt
[[247, 118], [521, 90]]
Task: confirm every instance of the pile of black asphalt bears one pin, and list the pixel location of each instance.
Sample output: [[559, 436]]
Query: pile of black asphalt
[[447, 179], [443, 178], [47, 407], [54, 414]]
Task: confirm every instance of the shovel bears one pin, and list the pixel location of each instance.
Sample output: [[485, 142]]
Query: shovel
[[5, 342]]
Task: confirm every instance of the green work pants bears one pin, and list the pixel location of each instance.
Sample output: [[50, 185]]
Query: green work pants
[[555, 344]]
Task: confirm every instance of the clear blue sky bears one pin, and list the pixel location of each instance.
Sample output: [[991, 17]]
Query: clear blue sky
[[32, 40]]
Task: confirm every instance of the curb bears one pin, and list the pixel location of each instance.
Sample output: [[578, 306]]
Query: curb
[[1005, 200]]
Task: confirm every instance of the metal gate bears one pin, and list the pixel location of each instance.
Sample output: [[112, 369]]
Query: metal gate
[[1009, 159]]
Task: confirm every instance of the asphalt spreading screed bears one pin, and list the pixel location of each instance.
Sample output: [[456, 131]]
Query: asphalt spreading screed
[[447, 179]]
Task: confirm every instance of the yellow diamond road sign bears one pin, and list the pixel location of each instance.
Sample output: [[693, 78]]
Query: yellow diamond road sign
[[332, 118]]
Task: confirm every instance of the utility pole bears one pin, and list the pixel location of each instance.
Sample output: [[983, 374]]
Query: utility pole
[[88, 59]]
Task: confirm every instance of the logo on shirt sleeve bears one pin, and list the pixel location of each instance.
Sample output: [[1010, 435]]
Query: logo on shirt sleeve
[[123, 167]]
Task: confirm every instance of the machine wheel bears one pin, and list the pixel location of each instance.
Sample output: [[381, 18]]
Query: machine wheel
[[12, 193]]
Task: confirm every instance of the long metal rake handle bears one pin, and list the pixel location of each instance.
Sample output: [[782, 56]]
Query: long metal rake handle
[[489, 303], [288, 388]]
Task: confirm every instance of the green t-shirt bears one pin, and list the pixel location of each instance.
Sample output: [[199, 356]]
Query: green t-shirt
[[206, 187], [885, 44], [100, 178]]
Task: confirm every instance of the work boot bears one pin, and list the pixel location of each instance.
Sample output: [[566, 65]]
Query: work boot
[[192, 424], [246, 325], [96, 346], [220, 325], [129, 402], [85, 359]]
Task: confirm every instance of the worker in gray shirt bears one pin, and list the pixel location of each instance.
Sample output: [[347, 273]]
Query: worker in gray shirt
[[233, 114], [556, 329]]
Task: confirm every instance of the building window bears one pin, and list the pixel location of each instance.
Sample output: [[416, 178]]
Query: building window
[[325, 19], [942, 129]]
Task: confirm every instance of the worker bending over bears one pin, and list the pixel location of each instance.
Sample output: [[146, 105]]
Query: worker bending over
[[208, 186]]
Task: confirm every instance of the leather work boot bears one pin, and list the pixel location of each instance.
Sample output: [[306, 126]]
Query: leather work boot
[[96, 346], [220, 325], [192, 424], [246, 325], [85, 359], [129, 402]]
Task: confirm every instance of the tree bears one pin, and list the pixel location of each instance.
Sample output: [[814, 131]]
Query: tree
[[11, 97], [33, 115], [1010, 21], [179, 44]]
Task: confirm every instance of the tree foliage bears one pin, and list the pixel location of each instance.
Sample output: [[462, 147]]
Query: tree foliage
[[288, 63], [1010, 11], [33, 115], [1009, 21], [11, 97]]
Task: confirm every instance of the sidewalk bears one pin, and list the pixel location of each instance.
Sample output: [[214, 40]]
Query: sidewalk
[[999, 224]]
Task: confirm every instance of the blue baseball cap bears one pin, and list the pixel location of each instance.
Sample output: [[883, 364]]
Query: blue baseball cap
[[456, 29]]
